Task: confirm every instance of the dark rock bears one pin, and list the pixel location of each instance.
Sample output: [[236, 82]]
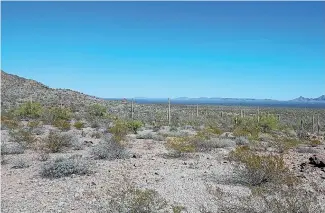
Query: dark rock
[[317, 161]]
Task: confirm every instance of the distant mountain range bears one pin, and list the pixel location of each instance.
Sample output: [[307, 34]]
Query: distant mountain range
[[320, 98]]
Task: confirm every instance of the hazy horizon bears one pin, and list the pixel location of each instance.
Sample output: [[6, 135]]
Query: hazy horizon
[[259, 50]]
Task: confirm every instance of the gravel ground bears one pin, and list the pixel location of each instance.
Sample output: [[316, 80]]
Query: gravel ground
[[180, 181]]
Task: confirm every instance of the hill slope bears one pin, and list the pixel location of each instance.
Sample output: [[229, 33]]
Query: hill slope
[[16, 90]]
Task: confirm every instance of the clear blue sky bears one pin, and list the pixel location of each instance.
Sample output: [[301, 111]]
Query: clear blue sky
[[169, 49]]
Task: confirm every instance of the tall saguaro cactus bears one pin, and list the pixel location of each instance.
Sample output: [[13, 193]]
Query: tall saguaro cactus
[[197, 110], [258, 114], [132, 109], [313, 124], [168, 111]]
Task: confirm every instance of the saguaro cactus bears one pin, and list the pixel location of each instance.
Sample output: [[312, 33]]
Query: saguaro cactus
[[197, 110], [168, 111]]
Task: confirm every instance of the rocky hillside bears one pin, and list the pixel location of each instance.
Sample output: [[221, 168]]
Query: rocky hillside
[[16, 90]]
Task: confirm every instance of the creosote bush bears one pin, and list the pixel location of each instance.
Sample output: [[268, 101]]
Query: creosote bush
[[56, 141], [63, 167], [62, 124], [97, 110], [22, 136], [79, 125], [260, 169], [134, 125], [119, 130], [29, 110], [109, 149]]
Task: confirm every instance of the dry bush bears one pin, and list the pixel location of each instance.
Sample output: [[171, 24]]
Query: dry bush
[[256, 170], [127, 198], [151, 135], [284, 144], [63, 167], [62, 124], [119, 130], [20, 164], [274, 199], [56, 141], [79, 125], [23, 136], [12, 148], [109, 149]]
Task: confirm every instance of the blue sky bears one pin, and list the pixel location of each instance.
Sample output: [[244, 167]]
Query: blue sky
[[168, 49]]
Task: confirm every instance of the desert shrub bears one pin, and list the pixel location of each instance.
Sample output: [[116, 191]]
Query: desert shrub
[[56, 141], [96, 135], [150, 135], [79, 125], [274, 199], [12, 148], [8, 123], [43, 156], [33, 124], [134, 125], [61, 113], [109, 149], [315, 142], [97, 110], [202, 145], [22, 136], [284, 144], [241, 140], [180, 144], [62, 125], [134, 200], [119, 130], [258, 169], [29, 110], [268, 123], [63, 167], [20, 164], [247, 127]]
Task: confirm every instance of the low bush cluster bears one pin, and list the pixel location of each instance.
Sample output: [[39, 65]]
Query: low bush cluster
[[63, 167], [260, 169], [109, 149], [56, 141]]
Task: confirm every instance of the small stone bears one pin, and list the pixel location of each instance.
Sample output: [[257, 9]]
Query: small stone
[[156, 173]]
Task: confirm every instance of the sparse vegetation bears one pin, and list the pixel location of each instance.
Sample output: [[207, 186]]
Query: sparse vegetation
[[119, 130], [63, 167], [259, 169], [109, 149], [29, 110], [56, 141], [79, 125]]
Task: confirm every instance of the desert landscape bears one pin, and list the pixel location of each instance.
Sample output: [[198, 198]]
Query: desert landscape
[[162, 107], [64, 151]]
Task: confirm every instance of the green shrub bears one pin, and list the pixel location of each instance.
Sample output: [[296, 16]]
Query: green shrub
[[23, 137], [61, 113], [284, 144], [33, 124], [268, 123], [97, 110], [259, 169], [79, 125], [9, 123], [56, 141], [62, 125], [119, 130], [29, 110], [180, 144], [134, 200], [63, 167], [134, 125], [247, 127]]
